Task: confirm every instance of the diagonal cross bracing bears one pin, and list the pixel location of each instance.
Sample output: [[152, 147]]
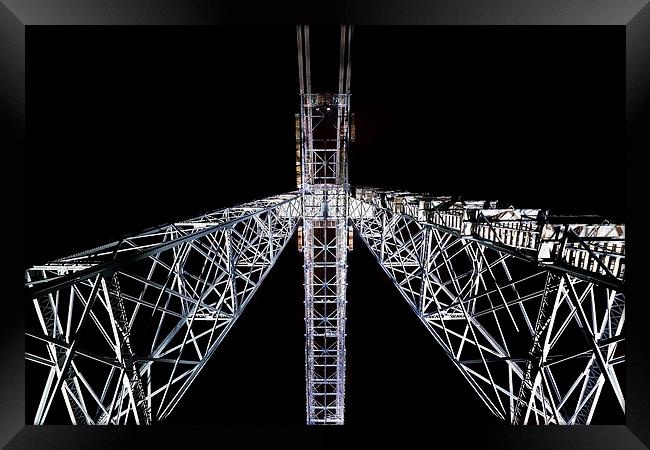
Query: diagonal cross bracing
[[533, 328], [324, 234], [125, 328], [528, 307]]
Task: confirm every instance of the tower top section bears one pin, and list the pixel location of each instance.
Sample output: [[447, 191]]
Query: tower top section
[[304, 61], [323, 124]]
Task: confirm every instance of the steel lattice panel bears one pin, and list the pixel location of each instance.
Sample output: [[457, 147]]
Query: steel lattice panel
[[124, 329], [535, 339]]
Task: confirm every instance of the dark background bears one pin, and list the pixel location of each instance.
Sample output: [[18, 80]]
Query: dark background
[[132, 127]]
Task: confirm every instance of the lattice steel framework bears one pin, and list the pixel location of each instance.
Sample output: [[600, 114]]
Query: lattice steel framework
[[125, 328], [530, 312], [528, 307], [322, 146]]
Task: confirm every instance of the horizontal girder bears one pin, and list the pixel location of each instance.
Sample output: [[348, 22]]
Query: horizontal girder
[[586, 247], [132, 248]]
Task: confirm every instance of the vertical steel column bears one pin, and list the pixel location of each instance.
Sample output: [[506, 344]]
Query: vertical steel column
[[324, 121], [324, 139]]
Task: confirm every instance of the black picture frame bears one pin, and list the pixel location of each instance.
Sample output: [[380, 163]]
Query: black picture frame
[[17, 15]]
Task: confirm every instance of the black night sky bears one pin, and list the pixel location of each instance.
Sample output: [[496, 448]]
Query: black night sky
[[133, 127]]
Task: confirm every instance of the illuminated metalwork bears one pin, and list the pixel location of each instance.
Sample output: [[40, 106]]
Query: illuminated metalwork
[[125, 328], [531, 312], [323, 142], [529, 307]]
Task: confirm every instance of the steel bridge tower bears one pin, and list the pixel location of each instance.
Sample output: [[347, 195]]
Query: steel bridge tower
[[322, 144], [528, 306]]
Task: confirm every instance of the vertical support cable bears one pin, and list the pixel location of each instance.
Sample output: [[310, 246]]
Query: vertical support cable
[[301, 68], [307, 61]]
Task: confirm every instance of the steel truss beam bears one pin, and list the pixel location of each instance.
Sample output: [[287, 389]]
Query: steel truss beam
[[124, 329], [537, 342]]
